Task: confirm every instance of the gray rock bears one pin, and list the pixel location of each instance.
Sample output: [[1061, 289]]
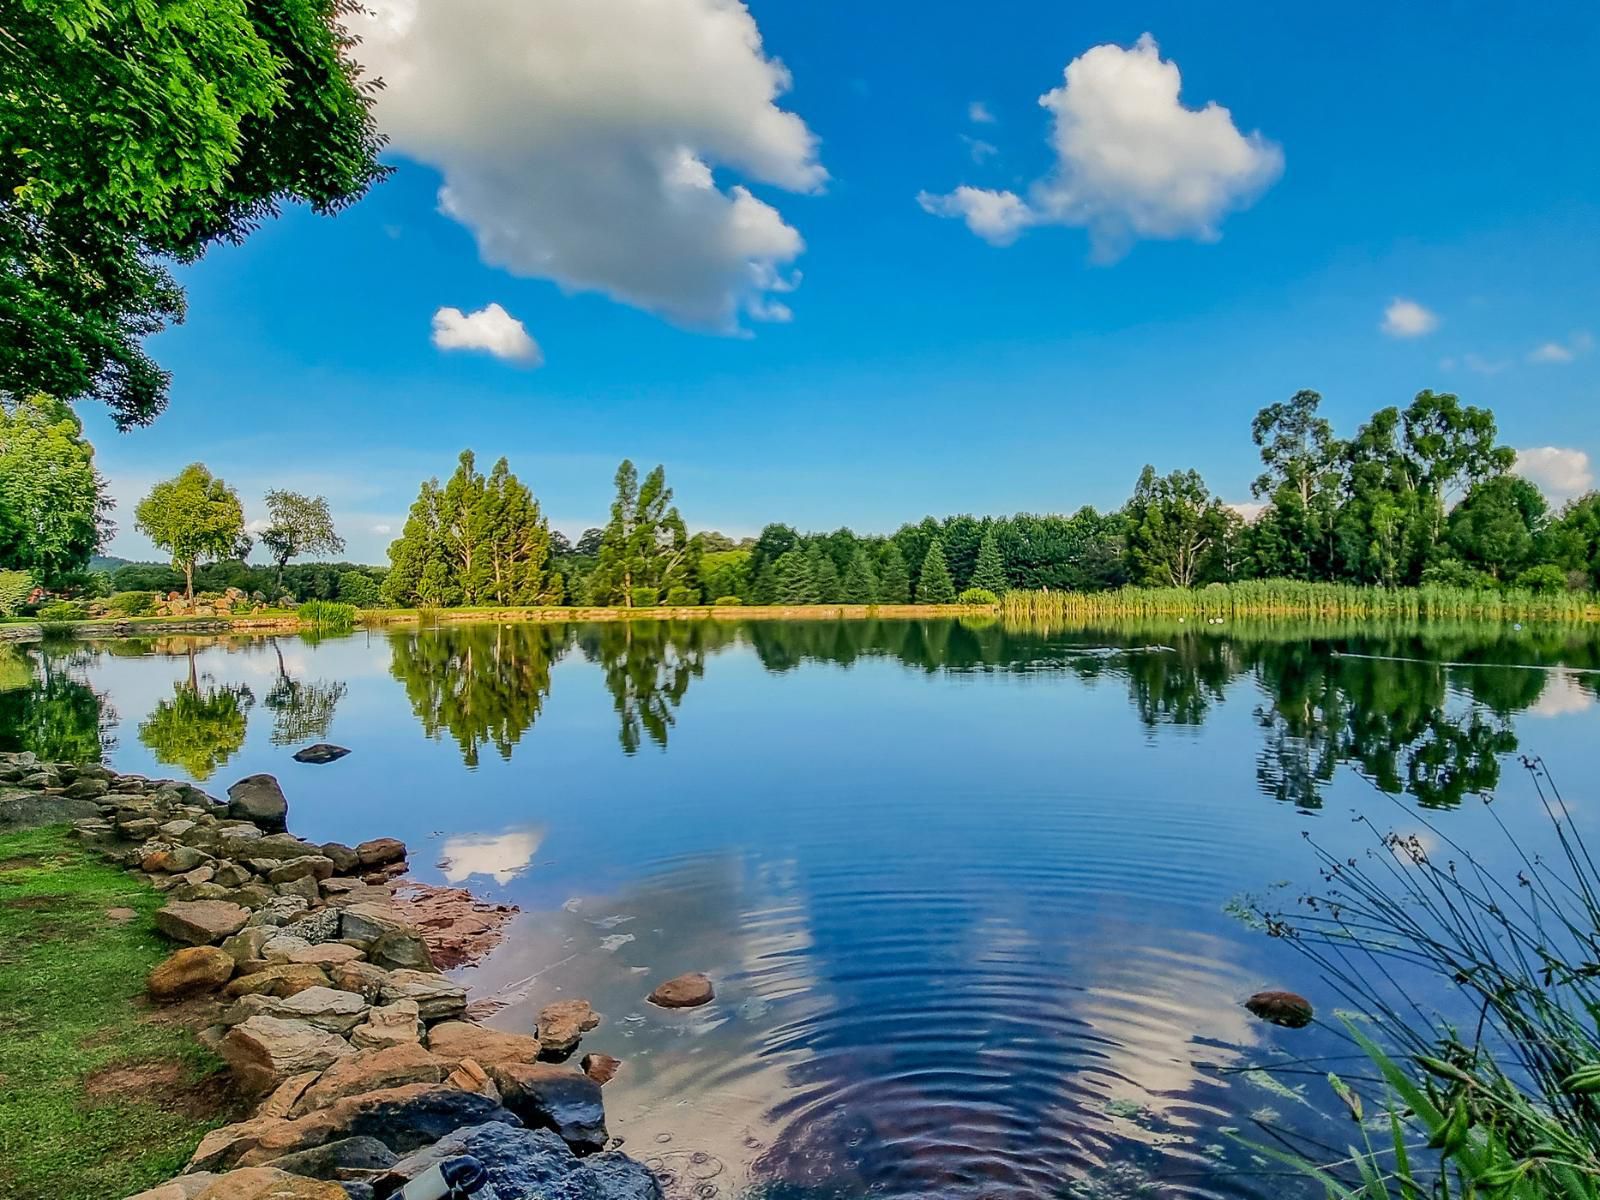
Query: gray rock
[[531, 1164], [321, 753], [324, 1007], [345, 859], [259, 799], [315, 865], [335, 1160], [547, 1096], [438, 999], [265, 1050]]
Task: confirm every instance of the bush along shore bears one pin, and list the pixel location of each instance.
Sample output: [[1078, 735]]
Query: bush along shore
[[364, 1063]]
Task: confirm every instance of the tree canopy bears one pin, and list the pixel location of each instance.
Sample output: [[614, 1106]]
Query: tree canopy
[[299, 524], [53, 504], [193, 517]]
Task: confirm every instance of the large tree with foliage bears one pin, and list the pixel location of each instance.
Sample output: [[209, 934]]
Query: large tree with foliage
[[298, 524], [1499, 526], [135, 132], [53, 503], [1293, 538], [894, 581], [193, 517], [860, 584], [1175, 527], [933, 581], [646, 550], [989, 573]]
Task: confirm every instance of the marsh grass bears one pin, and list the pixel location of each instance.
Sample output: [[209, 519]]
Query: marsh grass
[[327, 614]]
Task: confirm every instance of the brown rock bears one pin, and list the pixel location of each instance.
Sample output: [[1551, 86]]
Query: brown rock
[[269, 1183], [201, 922], [190, 971], [686, 991], [362, 978], [1281, 1008], [313, 866], [601, 1068], [325, 1007], [327, 955], [185, 1187], [282, 979], [470, 1077], [380, 851], [282, 1101], [372, 1071], [438, 999], [454, 1041], [264, 1051], [563, 1024]]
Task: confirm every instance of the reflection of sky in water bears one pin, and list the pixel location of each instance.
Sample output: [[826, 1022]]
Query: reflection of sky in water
[[967, 926]]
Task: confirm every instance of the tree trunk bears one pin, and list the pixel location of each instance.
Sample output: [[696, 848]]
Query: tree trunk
[[188, 580]]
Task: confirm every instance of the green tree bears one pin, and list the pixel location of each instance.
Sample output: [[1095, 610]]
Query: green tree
[[298, 525], [192, 517], [53, 503], [1574, 538], [861, 580], [824, 575], [990, 572], [793, 582], [933, 582], [199, 729], [1294, 536], [1498, 526], [725, 573], [358, 588], [645, 546], [1175, 526], [894, 582], [132, 132]]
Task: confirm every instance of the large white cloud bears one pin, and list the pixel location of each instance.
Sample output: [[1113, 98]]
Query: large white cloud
[[578, 139], [491, 329], [1131, 161], [1560, 473]]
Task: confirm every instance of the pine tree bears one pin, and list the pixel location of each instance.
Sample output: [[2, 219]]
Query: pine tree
[[645, 547], [795, 583], [894, 583], [990, 573], [860, 581], [933, 585], [824, 575]]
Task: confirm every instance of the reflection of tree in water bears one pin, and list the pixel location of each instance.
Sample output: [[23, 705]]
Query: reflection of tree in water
[[648, 666], [46, 707], [302, 710], [484, 684], [201, 727]]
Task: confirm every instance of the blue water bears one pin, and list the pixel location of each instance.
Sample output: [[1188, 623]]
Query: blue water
[[965, 892]]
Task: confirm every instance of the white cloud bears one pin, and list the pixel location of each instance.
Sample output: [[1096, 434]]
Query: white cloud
[[491, 329], [382, 528], [1249, 510], [1559, 472], [1564, 694], [1560, 353], [503, 856], [980, 150], [578, 140], [1408, 319], [978, 113], [1132, 161]]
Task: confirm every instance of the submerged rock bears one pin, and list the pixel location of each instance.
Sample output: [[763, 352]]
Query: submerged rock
[[322, 752], [686, 991], [1281, 1008]]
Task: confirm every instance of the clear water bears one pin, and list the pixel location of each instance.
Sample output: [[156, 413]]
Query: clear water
[[966, 892]]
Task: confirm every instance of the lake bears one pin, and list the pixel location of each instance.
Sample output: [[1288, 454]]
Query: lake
[[972, 896]]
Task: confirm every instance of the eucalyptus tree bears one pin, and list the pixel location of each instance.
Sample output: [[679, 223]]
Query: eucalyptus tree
[[1175, 527], [645, 550]]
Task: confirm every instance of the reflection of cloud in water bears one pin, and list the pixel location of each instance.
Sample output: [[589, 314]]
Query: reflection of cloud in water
[[1564, 694], [503, 856]]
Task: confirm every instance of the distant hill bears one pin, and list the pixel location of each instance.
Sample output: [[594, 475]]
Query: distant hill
[[108, 563]]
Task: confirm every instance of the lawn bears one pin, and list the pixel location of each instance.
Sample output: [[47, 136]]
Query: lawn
[[101, 1094]]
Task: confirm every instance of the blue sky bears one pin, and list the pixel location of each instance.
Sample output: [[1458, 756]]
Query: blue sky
[[1166, 275]]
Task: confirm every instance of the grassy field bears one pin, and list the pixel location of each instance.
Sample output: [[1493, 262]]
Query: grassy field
[[100, 1094]]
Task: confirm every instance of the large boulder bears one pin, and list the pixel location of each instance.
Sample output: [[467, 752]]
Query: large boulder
[[563, 1024], [264, 1051], [325, 1007], [201, 922], [525, 1163], [189, 972], [259, 800], [282, 979], [547, 1096], [269, 1183], [372, 1071], [457, 1040], [397, 1024], [684, 991], [438, 999]]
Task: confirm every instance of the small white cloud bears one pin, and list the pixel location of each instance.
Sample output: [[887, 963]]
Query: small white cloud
[[980, 150], [1131, 161], [1560, 353], [1560, 473], [1250, 510], [503, 856], [491, 329], [978, 113], [1563, 695], [1408, 319], [381, 529]]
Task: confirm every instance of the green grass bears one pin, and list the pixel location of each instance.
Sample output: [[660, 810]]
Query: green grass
[[100, 1095]]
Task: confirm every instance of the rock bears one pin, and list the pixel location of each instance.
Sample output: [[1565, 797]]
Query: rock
[[184, 1187], [547, 1096], [686, 991], [330, 954], [121, 915], [86, 789], [346, 1158], [437, 998], [563, 1024], [372, 1071], [249, 944], [259, 799], [325, 1007], [281, 945], [172, 859], [138, 828], [279, 910], [303, 888], [201, 922], [401, 949], [396, 1024], [526, 1163], [456, 1040], [269, 1183], [245, 1007], [284, 979], [1281, 1008], [321, 753], [190, 971], [345, 859], [231, 875], [601, 1068], [282, 1101], [264, 1051], [362, 978], [460, 929], [380, 852], [317, 927], [470, 1077], [251, 844], [315, 865]]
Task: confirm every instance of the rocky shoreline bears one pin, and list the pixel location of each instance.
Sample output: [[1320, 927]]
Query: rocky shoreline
[[366, 1063]]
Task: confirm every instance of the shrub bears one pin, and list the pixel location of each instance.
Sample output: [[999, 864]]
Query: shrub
[[15, 588], [132, 604], [64, 610], [680, 596], [727, 601], [327, 614], [645, 597], [977, 596], [358, 588], [1544, 580], [1452, 572]]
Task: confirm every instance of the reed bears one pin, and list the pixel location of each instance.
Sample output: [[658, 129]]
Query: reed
[[327, 614]]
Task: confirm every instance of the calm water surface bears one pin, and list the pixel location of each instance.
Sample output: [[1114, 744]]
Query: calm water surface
[[966, 892]]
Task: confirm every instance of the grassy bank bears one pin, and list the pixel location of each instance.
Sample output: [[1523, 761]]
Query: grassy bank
[[100, 1095], [1288, 598]]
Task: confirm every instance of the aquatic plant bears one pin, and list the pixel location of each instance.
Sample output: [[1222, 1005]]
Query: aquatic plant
[[327, 614]]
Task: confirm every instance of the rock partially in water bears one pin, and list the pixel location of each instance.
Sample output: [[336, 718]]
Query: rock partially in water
[[459, 928], [547, 1096], [259, 800], [526, 1163], [601, 1068], [322, 752], [1288, 1009], [190, 971], [563, 1024], [686, 991]]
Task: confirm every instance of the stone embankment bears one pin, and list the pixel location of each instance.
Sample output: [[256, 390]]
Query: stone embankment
[[365, 1062]]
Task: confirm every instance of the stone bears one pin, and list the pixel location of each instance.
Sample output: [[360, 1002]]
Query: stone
[[379, 852], [318, 926], [282, 1101], [438, 999], [470, 1077], [184, 1187], [365, 921], [362, 978], [259, 799], [330, 954], [249, 944], [525, 1163], [189, 972], [396, 1024], [121, 915], [563, 1024], [345, 859], [315, 865], [457, 1040], [201, 922], [241, 1010], [325, 1007], [1281, 1008], [685, 991], [601, 1068], [177, 829], [279, 910], [303, 888], [372, 1071], [282, 979], [269, 1183], [231, 875], [86, 789], [138, 829], [320, 754], [172, 859], [264, 1051], [401, 949], [558, 1098], [251, 844], [282, 945], [347, 1158]]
